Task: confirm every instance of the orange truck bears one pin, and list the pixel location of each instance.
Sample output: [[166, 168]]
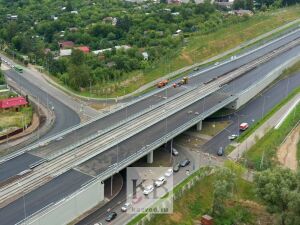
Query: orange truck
[[162, 83]]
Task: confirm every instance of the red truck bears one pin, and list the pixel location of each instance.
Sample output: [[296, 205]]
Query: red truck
[[162, 83]]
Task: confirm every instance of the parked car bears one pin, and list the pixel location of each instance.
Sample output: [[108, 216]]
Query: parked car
[[185, 162], [126, 206], [168, 173], [175, 152], [233, 136], [148, 189], [111, 216], [220, 151], [176, 168], [160, 181], [196, 69]]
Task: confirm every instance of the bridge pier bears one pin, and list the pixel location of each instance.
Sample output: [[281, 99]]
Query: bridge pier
[[199, 126], [150, 157]]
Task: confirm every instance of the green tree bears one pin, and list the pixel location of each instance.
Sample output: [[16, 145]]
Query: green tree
[[223, 189], [277, 189]]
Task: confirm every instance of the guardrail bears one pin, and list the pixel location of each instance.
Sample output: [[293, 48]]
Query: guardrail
[[115, 168], [23, 150], [134, 116]]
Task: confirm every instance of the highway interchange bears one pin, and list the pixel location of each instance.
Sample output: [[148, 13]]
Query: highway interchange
[[16, 165], [171, 122]]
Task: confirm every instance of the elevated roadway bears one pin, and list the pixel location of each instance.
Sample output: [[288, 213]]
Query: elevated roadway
[[36, 153], [219, 95]]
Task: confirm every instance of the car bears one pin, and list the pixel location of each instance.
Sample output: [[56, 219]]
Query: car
[[220, 151], [59, 138], [217, 63], [136, 200], [148, 189], [43, 144], [244, 126], [196, 69], [176, 168], [168, 173], [174, 152], [111, 216], [233, 136], [184, 163], [125, 206], [160, 181], [98, 224]]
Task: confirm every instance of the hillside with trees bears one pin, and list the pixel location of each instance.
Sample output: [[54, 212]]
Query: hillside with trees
[[125, 37]]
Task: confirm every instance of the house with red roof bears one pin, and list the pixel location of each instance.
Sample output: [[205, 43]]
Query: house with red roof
[[15, 103], [84, 49], [66, 44]]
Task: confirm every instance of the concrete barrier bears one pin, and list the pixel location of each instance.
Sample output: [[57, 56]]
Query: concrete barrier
[[256, 88], [70, 208]]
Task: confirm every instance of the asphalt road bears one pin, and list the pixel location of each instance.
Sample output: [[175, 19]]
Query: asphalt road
[[133, 144], [64, 114], [253, 111], [65, 118], [52, 192]]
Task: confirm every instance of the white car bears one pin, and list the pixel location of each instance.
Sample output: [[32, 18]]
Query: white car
[[233, 136], [169, 173], [148, 189], [160, 181], [125, 206]]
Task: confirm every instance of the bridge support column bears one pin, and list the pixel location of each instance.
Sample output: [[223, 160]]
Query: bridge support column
[[150, 157], [199, 126]]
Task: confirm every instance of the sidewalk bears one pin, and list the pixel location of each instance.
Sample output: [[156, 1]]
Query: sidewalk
[[262, 130]]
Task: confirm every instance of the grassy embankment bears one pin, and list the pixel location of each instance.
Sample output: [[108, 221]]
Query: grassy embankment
[[15, 120], [199, 48], [262, 155], [197, 201], [202, 47]]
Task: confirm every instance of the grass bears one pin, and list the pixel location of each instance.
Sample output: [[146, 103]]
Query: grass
[[252, 128], [295, 68], [199, 48], [12, 119], [198, 201], [262, 155], [8, 94], [213, 128], [229, 149], [298, 151]]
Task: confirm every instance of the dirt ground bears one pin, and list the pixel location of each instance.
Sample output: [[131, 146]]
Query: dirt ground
[[287, 152]]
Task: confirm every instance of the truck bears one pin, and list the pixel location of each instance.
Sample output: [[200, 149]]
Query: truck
[[162, 83], [244, 126], [184, 80]]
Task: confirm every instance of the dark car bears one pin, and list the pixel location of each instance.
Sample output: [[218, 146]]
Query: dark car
[[176, 168], [111, 216], [220, 152], [185, 162]]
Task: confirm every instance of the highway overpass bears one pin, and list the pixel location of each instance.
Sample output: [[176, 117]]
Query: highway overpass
[[178, 116]]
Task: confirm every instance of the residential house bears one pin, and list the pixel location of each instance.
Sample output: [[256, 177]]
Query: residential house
[[66, 44], [65, 52], [13, 103], [84, 49]]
